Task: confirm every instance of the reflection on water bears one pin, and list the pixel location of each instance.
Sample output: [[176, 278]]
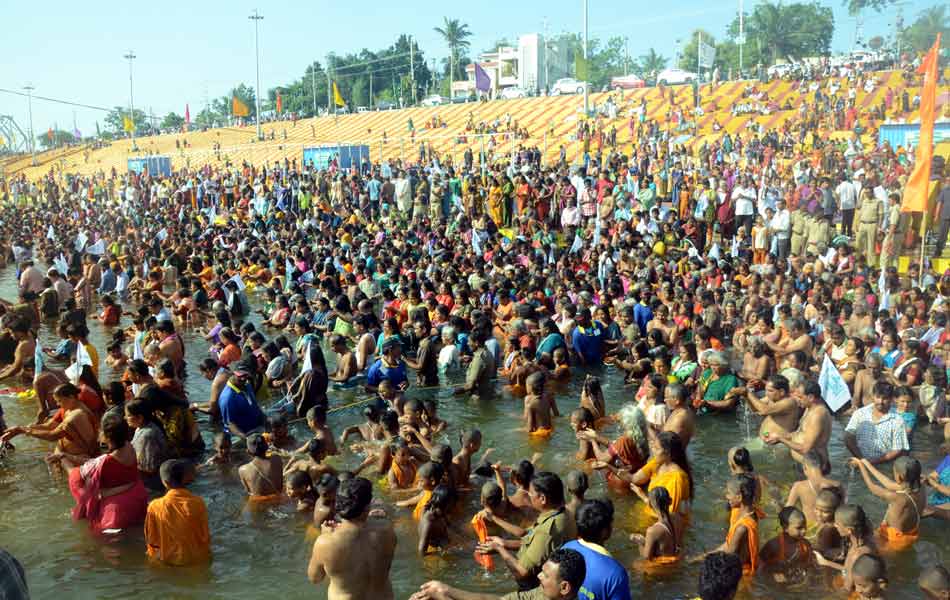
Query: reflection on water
[[267, 551]]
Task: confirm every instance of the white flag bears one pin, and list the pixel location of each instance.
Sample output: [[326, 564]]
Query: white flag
[[596, 240], [833, 387], [162, 234], [885, 297], [238, 281], [289, 271], [61, 265], [50, 234], [307, 277], [81, 240], [97, 249], [577, 245], [476, 243]]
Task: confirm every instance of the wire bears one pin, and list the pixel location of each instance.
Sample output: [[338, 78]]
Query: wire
[[56, 100]]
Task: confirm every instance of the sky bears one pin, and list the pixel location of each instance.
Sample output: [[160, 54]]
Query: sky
[[188, 52]]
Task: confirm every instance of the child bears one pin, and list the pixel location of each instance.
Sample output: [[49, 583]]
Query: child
[[521, 478], [433, 524], [313, 463], [743, 536], [935, 583], [827, 539], [317, 422], [787, 555], [538, 415], [740, 464], [592, 398], [300, 488], [497, 510], [562, 367], [369, 430], [390, 397], [905, 500], [760, 241], [583, 420], [931, 393], [855, 529], [577, 485], [660, 543], [470, 442], [279, 437], [324, 509], [176, 525], [402, 470], [816, 469], [870, 578], [429, 475], [904, 407], [433, 424], [222, 450], [115, 357]]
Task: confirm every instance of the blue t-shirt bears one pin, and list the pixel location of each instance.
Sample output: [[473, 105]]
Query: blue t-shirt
[[240, 408], [589, 342], [379, 371], [606, 578]]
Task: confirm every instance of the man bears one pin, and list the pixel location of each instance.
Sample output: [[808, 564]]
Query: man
[[719, 576], [814, 428], [943, 213], [218, 376], [606, 577], [866, 379], [874, 432], [780, 410], [389, 366], [31, 279], [681, 421], [780, 227], [355, 552], [478, 378], [263, 476], [870, 212], [560, 579], [176, 525], [550, 531], [798, 339], [426, 362], [847, 197], [64, 291], [240, 413], [588, 339], [798, 221], [744, 198]]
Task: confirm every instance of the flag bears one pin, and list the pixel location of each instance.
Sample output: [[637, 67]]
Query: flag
[[482, 80], [288, 273], [577, 245], [76, 133], [918, 185], [596, 239], [162, 234], [61, 265], [50, 234], [834, 390], [280, 104], [81, 240], [238, 108], [884, 297], [337, 97], [49, 134], [187, 117], [707, 55], [127, 124], [307, 277], [98, 133], [238, 281]]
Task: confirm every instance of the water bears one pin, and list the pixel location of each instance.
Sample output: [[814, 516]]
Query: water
[[268, 552]]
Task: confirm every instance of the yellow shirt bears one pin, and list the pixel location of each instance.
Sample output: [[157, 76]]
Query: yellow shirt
[[94, 355], [176, 529]]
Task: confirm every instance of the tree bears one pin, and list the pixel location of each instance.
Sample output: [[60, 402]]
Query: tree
[[921, 34], [788, 31], [115, 120], [245, 93], [876, 43], [856, 6], [456, 36], [650, 62], [60, 138], [172, 121]]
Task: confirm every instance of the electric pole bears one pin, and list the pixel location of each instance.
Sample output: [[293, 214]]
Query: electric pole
[[313, 85], [131, 56], [329, 88], [29, 99], [257, 59], [412, 72]]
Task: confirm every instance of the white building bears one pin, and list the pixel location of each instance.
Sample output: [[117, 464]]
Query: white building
[[530, 66]]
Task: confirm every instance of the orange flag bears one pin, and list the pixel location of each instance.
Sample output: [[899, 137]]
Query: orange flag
[[238, 108], [280, 105], [918, 184]]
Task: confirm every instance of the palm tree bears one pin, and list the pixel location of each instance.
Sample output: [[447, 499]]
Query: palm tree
[[921, 34], [652, 62], [455, 34]]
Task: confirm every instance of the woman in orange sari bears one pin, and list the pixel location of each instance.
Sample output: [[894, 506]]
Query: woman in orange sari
[[496, 202]]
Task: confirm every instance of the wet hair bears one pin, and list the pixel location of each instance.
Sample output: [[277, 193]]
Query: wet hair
[[870, 566], [315, 448], [523, 473], [594, 520], [570, 567], [719, 576], [441, 454], [779, 382], [583, 415], [909, 470], [299, 479], [577, 482], [67, 390], [317, 414], [853, 516], [550, 485], [744, 485], [786, 514], [883, 389], [327, 482], [440, 498], [275, 421], [256, 445], [829, 496], [660, 498], [672, 444], [353, 497], [431, 471], [742, 459], [491, 494], [174, 471], [116, 393], [115, 430]]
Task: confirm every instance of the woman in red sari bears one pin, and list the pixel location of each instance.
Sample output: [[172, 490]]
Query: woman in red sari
[[108, 489], [627, 454]]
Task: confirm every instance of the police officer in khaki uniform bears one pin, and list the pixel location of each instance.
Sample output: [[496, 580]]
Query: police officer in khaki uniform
[[819, 235], [870, 211], [797, 220], [806, 237], [889, 244]]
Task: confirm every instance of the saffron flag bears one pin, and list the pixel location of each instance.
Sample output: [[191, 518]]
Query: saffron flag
[[49, 134], [918, 185], [280, 104], [337, 97], [187, 117], [482, 80], [238, 108]]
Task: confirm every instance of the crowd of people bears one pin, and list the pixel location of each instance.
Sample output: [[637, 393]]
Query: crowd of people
[[718, 281]]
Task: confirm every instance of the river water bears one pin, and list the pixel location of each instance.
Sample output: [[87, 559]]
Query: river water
[[267, 552]]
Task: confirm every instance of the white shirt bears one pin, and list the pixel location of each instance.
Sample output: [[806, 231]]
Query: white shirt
[[744, 198], [847, 195], [780, 224]]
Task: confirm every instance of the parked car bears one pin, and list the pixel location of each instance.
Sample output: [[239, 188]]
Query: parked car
[[676, 77], [386, 105], [362, 109], [627, 82], [567, 85], [433, 100], [509, 93]]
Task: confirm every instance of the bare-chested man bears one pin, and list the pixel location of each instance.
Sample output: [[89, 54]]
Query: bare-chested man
[[681, 421], [356, 552], [814, 428], [798, 339], [346, 363], [780, 410], [865, 379], [264, 475]]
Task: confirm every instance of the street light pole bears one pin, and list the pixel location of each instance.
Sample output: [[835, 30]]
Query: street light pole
[[29, 98], [586, 65], [257, 56], [131, 56], [313, 86]]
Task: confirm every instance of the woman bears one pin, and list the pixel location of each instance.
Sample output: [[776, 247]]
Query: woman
[[907, 369], [181, 429], [685, 363], [108, 490], [149, 442], [623, 457], [889, 350], [551, 341], [668, 468]]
